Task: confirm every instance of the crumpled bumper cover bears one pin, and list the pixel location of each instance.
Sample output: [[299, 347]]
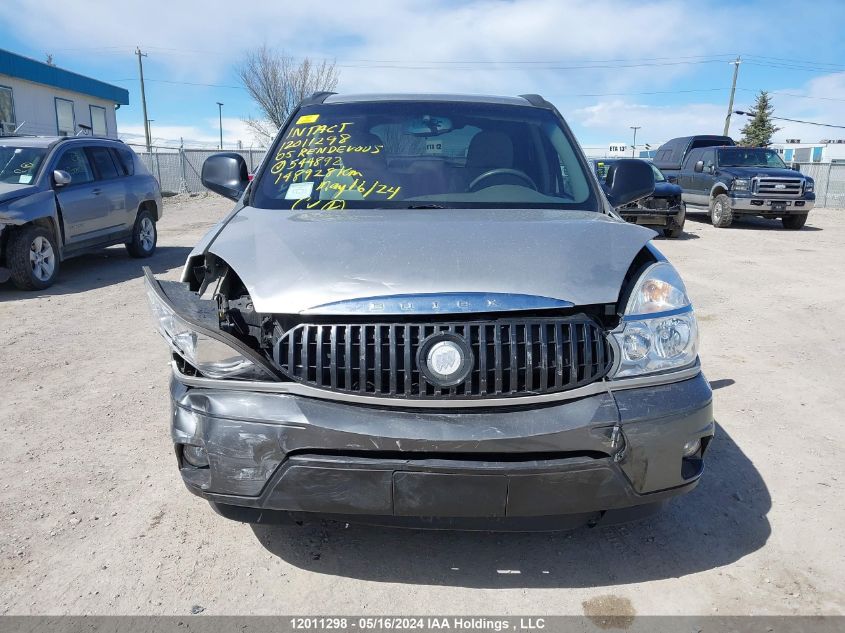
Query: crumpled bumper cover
[[284, 452]]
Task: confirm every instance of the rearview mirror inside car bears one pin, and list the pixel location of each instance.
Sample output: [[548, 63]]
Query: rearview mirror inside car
[[61, 177], [225, 174], [628, 180]]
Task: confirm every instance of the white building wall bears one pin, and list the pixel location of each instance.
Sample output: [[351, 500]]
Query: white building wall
[[35, 106]]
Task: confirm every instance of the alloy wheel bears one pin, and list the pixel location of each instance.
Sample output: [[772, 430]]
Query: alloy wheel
[[147, 234], [42, 258]]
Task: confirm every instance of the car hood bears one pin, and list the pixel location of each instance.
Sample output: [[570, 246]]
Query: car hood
[[762, 172], [10, 191], [293, 262]]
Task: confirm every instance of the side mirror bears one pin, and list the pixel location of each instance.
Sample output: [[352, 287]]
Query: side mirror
[[795, 167], [225, 174], [628, 180], [699, 166], [61, 177], [711, 169]]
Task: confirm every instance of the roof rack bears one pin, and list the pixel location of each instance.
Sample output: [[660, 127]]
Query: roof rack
[[317, 97], [537, 100]]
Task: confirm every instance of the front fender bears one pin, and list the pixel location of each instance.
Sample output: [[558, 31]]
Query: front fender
[[37, 206], [29, 208], [717, 186]]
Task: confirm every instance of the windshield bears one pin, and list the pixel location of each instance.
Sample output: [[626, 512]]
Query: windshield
[[749, 157], [658, 175], [19, 165], [423, 154]]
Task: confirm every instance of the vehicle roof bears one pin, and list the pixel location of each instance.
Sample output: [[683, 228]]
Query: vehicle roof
[[698, 137], [48, 141], [390, 96]]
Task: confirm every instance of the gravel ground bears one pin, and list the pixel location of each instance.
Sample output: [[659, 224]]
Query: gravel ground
[[95, 520]]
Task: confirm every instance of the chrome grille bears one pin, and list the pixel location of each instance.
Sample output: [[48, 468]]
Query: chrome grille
[[510, 357], [779, 186]]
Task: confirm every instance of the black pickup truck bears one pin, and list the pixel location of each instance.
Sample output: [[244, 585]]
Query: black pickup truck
[[726, 180]]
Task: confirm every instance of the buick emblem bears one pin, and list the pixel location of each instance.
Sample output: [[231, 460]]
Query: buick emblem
[[445, 359]]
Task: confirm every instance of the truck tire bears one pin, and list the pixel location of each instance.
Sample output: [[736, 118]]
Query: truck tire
[[721, 213], [794, 222], [144, 235], [33, 258], [675, 232]]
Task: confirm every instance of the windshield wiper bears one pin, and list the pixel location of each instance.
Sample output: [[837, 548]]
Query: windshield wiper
[[425, 205]]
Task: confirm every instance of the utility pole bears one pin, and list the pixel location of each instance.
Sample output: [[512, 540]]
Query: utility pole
[[634, 144], [144, 98], [220, 114], [736, 64]]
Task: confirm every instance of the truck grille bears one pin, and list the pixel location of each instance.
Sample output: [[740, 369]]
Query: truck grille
[[791, 187], [510, 358]]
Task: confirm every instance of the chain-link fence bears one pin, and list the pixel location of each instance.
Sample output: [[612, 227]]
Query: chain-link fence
[[830, 183], [178, 170]]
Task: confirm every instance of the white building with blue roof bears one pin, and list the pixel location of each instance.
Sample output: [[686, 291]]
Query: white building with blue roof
[[42, 99]]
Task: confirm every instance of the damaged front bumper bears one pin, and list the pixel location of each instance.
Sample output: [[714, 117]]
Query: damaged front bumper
[[659, 218], [608, 451]]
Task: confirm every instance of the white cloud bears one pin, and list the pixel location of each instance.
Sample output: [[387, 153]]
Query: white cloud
[[400, 41], [612, 120], [821, 100], [203, 40], [207, 135]]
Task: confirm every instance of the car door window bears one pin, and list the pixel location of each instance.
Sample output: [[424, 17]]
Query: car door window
[[101, 157], [75, 162], [709, 159], [124, 158], [692, 158]]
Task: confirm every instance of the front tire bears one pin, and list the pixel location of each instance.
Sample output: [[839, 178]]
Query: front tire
[[33, 258], [794, 222], [144, 236], [676, 231], [721, 213]]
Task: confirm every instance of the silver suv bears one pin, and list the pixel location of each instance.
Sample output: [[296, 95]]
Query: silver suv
[[424, 310], [61, 197]]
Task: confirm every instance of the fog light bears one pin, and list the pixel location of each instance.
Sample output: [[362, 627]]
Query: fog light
[[195, 456], [692, 447]]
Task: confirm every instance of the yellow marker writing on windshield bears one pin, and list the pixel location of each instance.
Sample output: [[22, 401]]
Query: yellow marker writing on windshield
[[307, 118]]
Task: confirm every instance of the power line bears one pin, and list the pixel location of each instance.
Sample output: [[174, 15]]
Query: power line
[[790, 94], [794, 67], [796, 61], [781, 118], [388, 66]]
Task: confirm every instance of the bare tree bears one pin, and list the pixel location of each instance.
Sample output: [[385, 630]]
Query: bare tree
[[278, 83]]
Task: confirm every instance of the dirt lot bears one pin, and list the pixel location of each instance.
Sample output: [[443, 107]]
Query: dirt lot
[[94, 518]]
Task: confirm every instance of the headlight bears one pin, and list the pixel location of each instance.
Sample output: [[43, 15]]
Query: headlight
[[658, 330], [740, 184], [809, 185], [212, 357]]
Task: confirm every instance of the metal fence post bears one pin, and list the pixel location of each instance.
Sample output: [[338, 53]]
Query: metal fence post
[[827, 183], [158, 168], [183, 185]]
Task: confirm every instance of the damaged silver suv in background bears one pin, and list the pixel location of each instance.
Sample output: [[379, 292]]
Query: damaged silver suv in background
[[424, 311]]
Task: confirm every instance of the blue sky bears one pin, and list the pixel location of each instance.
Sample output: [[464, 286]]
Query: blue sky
[[607, 64]]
